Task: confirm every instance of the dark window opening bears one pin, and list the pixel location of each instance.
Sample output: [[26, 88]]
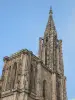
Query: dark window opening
[[14, 74], [46, 39], [46, 56], [44, 88]]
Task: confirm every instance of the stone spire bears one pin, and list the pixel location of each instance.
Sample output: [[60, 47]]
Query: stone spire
[[50, 24], [50, 42], [51, 12]]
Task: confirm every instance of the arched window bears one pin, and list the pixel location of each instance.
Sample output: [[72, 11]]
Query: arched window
[[14, 74], [44, 89], [31, 77], [46, 56]]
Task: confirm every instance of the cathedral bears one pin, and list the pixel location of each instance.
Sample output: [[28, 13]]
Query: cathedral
[[26, 76]]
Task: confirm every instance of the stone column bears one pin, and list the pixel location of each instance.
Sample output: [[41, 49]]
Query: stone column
[[54, 87], [55, 51], [61, 89], [19, 74], [38, 82], [40, 47], [25, 72], [64, 89], [51, 50], [58, 58], [24, 79], [5, 73]]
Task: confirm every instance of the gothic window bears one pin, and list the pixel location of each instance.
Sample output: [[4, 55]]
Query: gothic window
[[44, 88], [46, 56], [32, 78], [14, 74]]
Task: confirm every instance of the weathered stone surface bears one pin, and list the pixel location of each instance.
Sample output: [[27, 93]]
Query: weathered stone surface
[[28, 77]]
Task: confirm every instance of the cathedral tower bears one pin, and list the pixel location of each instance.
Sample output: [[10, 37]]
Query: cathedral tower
[[50, 50], [28, 77]]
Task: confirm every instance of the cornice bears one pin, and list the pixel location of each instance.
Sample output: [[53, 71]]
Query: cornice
[[17, 54]]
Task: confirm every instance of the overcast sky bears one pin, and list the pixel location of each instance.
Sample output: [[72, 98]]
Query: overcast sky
[[22, 22]]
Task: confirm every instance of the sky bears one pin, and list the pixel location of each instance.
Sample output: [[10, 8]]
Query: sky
[[22, 22]]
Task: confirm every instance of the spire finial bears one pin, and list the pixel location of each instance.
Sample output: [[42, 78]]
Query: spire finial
[[51, 12]]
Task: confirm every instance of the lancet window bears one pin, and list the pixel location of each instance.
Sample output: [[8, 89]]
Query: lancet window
[[44, 89], [14, 74]]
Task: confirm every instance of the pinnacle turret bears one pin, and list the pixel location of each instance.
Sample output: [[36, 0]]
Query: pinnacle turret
[[50, 12]]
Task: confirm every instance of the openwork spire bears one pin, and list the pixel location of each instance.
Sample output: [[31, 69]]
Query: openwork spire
[[50, 24]]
